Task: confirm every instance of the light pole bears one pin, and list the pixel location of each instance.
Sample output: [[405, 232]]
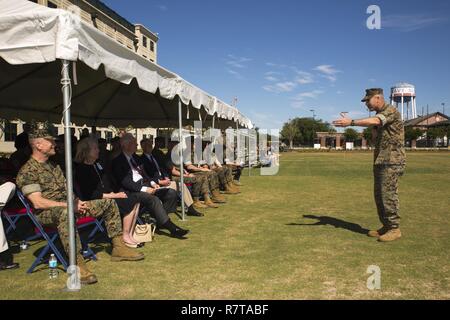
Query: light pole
[[443, 108], [313, 112]]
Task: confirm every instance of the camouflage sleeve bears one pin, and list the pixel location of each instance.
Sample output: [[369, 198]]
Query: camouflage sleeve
[[387, 116], [28, 181]]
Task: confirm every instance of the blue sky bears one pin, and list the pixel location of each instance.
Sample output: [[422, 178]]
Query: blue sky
[[283, 58]]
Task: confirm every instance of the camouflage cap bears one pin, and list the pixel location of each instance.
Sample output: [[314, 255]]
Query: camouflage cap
[[41, 130], [372, 92]]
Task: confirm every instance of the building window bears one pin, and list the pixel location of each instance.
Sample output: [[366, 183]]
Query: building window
[[144, 41], [52, 5], [152, 46], [10, 131]]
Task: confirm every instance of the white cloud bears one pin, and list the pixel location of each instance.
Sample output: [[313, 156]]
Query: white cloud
[[276, 65], [298, 101], [410, 22], [328, 72], [234, 73], [280, 87], [311, 94], [304, 77], [271, 78], [237, 62], [162, 7]]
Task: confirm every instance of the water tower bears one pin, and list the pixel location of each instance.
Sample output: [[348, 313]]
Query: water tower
[[403, 96]]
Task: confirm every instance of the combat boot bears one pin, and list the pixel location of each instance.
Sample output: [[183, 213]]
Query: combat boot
[[121, 252], [217, 197], [198, 204], [377, 233], [233, 187], [391, 235], [86, 276], [237, 183], [210, 203]]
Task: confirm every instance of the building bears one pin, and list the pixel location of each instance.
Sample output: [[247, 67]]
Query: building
[[336, 140], [424, 124], [135, 37], [426, 121]]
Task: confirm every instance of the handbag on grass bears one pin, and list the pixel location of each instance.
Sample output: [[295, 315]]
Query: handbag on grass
[[144, 232]]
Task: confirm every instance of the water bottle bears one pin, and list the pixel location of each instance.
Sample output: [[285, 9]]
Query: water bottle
[[53, 264]]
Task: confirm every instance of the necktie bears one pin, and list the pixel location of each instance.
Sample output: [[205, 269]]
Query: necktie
[[156, 165], [138, 169]]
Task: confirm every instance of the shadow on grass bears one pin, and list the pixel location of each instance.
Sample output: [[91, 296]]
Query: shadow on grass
[[330, 221]]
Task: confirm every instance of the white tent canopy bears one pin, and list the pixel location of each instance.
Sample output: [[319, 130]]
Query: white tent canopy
[[115, 85]]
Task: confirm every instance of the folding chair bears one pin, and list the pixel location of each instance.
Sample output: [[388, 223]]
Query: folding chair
[[51, 235], [12, 216]]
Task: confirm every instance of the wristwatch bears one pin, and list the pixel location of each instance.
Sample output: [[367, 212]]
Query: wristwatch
[[352, 123]]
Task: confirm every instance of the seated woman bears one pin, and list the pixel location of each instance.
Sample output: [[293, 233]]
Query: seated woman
[[94, 183]]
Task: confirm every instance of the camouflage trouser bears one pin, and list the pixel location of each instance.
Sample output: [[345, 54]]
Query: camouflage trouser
[[213, 179], [386, 193], [104, 208], [199, 183], [225, 175]]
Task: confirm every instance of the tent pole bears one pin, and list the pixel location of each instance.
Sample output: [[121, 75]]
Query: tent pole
[[66, 83], [180, 123], [249, 166]]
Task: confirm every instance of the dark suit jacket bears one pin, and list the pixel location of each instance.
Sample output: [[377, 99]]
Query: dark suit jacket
[[152, 170], [123, 174]]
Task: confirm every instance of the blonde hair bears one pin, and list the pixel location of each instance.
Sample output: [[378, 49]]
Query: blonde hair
[[83, 149]]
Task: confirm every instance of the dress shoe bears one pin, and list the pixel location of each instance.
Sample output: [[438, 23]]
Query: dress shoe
[[8, 266]]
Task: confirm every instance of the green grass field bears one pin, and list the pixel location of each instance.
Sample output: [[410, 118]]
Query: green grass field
[[297, 235]]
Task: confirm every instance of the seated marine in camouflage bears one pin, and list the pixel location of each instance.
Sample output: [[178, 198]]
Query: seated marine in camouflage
[[224, 172], [44, 185]]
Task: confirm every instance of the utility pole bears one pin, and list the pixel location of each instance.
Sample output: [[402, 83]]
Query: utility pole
[[314, 114], [235, 101], [443, 108]]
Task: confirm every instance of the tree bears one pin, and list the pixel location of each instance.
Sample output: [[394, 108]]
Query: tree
[[367, 134], [308, 128], [436, 133], [412, 134], [351, 135], [290, 132]]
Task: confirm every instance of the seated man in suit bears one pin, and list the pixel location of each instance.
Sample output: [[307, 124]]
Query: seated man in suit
[[130, 175], [157, 152], [160, 177]]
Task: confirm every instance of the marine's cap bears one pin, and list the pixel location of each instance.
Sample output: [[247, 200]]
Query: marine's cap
[[43, 130], [372, 92]]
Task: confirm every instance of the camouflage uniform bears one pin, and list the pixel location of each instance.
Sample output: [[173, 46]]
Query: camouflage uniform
[[49, 180], [389, 165], [225, 175], [212, 178], [199, 185]]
